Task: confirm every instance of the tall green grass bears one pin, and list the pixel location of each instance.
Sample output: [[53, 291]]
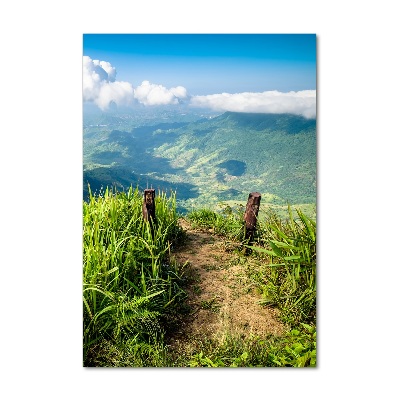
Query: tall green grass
[[291, 275], [129, 285], [228, 222]]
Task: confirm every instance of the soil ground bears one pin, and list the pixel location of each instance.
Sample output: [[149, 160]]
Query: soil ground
[[221, 297]]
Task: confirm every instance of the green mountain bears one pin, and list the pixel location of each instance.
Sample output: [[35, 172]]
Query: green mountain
[[210, 160]]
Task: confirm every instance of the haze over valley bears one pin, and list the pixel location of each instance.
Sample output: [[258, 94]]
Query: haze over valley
[[205, 157]]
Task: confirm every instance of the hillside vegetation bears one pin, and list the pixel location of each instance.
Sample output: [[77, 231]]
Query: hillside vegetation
[[135, 290], [207, 161]]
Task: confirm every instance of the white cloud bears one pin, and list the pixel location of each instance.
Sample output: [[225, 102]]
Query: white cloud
[[119, 92], [301, 103], [179, 92], [100, 86], [106, 66], [151, 94]]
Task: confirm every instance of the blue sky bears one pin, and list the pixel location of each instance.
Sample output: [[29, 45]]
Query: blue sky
[[201, 66]]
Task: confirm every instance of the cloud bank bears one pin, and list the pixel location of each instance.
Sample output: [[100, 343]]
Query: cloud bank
[[101, 87], [300, 103]]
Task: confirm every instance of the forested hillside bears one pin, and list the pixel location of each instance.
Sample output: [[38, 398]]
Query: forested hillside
[[206, 161]]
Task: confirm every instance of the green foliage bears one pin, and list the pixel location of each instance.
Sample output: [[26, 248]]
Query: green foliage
[[229, 222], [204, 218], [298, 348], [128, 282], [199, 360], [291, 281], [131, 352]]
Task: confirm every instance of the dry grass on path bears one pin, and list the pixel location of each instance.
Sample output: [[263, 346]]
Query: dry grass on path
[[220, 295]]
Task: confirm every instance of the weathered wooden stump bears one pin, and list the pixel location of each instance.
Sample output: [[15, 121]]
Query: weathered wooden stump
[[149, 207], [250, 217]]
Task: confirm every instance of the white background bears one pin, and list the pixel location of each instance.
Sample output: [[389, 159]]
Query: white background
[[41, 177]]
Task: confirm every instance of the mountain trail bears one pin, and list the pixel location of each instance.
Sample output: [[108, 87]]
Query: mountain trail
[[221, 297]]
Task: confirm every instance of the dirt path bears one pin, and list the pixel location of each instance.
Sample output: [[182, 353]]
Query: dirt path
[[220, 296]]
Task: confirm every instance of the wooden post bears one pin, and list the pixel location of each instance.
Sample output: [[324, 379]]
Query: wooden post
[[250, 217], [149, 207]]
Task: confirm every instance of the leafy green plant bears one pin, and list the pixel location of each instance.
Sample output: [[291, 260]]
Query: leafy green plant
[[298, 349], [200, 360]]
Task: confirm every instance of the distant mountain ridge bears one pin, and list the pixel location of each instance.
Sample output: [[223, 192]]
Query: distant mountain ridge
[[290, 123], [209, 160]]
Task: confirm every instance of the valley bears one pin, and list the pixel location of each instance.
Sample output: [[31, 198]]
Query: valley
[[209, 160]]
